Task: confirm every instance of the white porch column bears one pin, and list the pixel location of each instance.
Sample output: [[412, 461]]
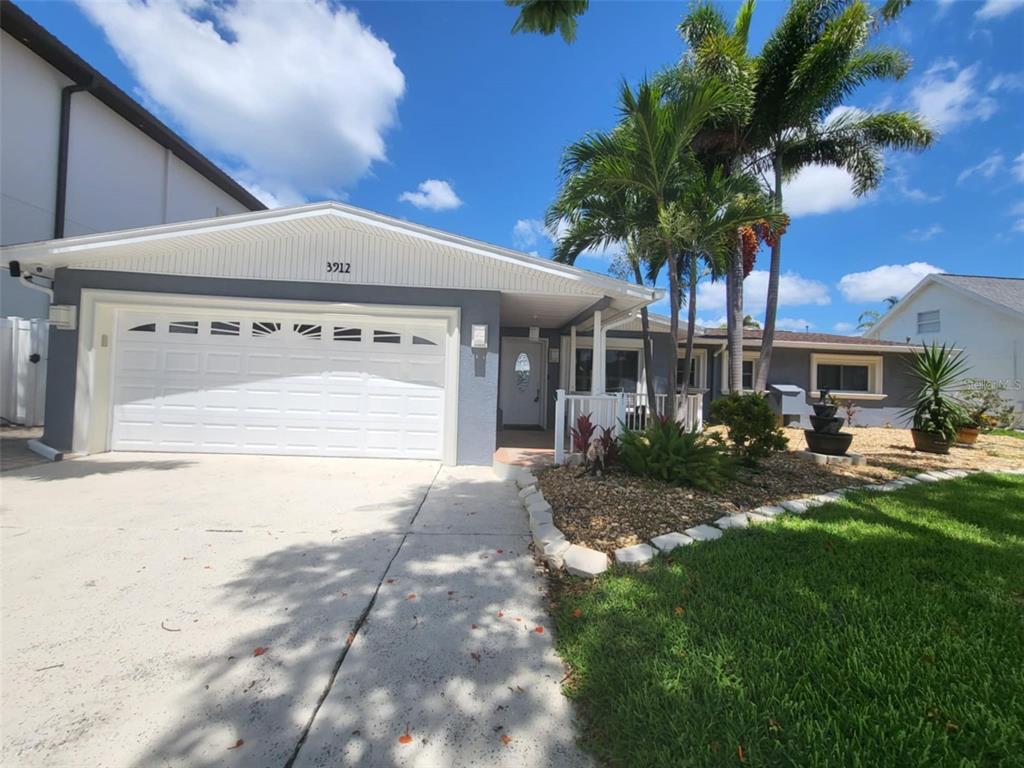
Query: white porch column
[[597, 361], [571, 362]]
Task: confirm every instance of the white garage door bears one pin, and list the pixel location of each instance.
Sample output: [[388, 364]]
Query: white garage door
[[228, 382]]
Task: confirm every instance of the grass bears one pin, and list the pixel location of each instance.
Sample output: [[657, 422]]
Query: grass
[[884, 630], [1006, 433]]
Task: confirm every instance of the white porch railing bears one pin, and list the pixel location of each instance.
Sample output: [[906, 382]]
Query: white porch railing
[[627, 410], [22, 382]]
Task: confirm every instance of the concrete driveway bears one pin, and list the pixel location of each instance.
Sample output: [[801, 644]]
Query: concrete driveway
[[164, 610]]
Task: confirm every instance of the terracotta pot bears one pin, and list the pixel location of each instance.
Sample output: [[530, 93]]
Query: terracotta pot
[[929, 442], [967, 435]]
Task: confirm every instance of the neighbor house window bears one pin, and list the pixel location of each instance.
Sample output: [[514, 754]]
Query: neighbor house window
[[846, 375], [622, 369], [928, 322]]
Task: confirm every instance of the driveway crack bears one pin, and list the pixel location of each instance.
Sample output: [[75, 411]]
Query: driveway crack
[[355, 629]]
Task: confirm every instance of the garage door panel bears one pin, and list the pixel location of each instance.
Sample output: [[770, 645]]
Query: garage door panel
[[290, 385]]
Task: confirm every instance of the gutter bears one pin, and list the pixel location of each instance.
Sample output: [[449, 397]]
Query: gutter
[[60, 204]]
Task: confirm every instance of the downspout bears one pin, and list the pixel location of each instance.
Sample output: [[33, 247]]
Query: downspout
[[60, 204]]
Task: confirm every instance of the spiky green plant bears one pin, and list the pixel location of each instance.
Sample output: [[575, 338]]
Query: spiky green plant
[[936, 407]]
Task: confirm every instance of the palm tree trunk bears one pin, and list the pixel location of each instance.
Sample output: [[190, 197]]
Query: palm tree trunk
[[691, 321], [672, 261], [772, 303], [645, 332], [735, 320]]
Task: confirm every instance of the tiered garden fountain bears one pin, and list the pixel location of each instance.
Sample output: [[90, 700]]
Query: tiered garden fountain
[[826, 438]]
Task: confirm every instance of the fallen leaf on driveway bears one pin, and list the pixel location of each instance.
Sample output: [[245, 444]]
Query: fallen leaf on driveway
[[391, 581], [411, 596], [475, 626], [539, 630], [500, 614], [500, 551], [349, 639], [505, 739], [238, 743], [259, 650], [476, 657], [405, 738]]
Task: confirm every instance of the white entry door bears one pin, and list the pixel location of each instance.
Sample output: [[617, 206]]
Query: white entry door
[[272, 383], [522, 382]]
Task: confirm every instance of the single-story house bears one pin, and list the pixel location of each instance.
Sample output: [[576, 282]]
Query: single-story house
[[329, 330]]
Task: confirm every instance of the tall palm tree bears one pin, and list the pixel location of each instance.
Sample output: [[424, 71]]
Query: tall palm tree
[[814, 60], [649, 156], [703, 220]]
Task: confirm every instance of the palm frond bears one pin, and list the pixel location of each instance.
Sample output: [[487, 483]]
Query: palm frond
[[548, 16]]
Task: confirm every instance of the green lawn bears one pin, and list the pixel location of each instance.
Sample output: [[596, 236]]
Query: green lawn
[[1006, 433], [885, 630]]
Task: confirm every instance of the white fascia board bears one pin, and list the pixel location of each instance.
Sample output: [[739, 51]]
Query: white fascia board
[[76, 250]]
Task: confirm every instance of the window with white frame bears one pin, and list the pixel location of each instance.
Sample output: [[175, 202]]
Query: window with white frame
[[750, 360], [928, 322], [698, 369], [849, 375], [624, 365]]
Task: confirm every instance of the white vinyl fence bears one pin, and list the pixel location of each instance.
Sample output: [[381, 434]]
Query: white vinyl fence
[[22, 381], [622, 410]]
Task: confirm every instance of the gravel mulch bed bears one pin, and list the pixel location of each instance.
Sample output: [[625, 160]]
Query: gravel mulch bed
[[621, 510]]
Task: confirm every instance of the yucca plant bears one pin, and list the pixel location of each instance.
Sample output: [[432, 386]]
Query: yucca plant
[[936, 408]]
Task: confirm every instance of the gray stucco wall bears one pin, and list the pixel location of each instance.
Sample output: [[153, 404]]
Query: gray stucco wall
[[478, 369], [793, 366]]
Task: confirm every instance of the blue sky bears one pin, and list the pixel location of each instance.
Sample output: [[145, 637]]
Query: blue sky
[[435, 113]]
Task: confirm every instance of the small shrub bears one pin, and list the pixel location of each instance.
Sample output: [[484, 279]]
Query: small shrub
[[751, 422], [665, 451], [582, 433], [986, 408], [850, 408]]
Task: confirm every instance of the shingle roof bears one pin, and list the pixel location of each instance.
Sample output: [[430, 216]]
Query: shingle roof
[[816, 338], [1005, 291]]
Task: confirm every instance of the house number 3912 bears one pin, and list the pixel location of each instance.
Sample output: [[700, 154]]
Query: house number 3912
[[341, 267]]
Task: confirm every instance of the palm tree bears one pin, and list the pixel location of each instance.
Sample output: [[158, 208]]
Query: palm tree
[[750, 322], [812, 62], [703, 220], [649, 156], [548, 16], [867, 319]]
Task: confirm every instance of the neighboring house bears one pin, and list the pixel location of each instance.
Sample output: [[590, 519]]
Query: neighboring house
[[80, 156], [982, 315], [329, 330]]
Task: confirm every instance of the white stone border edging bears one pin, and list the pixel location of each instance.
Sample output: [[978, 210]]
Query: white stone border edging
[[551, 544]]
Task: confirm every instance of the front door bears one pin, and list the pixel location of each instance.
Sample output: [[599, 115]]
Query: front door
[[522, 383]]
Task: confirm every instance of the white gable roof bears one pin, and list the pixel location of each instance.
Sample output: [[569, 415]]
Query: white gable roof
[[296, 244], [1003, 294]]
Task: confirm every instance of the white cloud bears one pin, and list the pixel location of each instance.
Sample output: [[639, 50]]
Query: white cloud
[[995, 9], [843, 327], [888, 280], [819, 189], [987, 168], [527, 232], [1017, 169], [794, 290], [1018, 226], [298, 95], [433, 194], [925, 233], [718, 322], [1007, 81], [947, 96], [793, 324]]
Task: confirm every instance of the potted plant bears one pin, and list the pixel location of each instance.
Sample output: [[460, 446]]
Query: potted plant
[[936, 413], [986, 408]]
